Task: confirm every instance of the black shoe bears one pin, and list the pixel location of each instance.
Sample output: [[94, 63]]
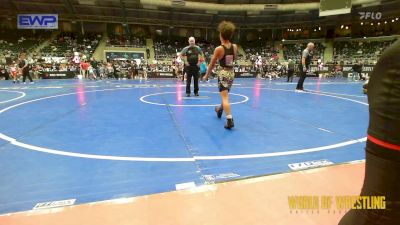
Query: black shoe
[[219, 111], [187, 95], [229, 124], [196, 94]]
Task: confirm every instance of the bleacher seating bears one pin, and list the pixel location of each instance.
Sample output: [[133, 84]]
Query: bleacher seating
[[293, 51], [365, 51], [65, 44], [125, 41], [14, 41]]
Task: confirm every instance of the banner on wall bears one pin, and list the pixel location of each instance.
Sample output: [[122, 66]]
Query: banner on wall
[[37, 21], [57, 75], [123, 55]]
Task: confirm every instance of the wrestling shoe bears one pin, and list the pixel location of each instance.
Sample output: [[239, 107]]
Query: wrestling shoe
[[219, 111], [229, 124]]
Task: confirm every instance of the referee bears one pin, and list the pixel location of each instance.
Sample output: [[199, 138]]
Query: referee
[[24, 66], [305, 65], [192, 56]]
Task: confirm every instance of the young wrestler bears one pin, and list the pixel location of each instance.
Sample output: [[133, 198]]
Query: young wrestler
[[225, 54]]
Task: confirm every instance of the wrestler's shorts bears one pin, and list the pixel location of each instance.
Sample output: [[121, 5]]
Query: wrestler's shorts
[[225, 79]]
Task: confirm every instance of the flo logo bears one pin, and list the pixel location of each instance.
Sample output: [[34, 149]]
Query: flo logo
[[370, 15]]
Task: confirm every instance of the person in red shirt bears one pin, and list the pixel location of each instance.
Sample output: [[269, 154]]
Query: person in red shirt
[[84, 68]]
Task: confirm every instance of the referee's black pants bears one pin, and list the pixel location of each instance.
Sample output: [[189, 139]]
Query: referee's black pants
[[290, 75], [25, 73], [192, 71], [300, 83]]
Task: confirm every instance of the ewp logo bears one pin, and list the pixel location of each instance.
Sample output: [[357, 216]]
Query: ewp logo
[[372, 15], [38, 21]]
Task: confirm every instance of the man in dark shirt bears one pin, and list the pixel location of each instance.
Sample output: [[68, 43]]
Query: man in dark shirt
[[304, 66], [192, 56], [148, 53], [24, 66], [357, 69], [290, 70], [4, 73], [95, 66]]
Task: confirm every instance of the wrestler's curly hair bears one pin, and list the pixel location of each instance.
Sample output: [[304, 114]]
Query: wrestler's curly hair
[[227, 30]]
